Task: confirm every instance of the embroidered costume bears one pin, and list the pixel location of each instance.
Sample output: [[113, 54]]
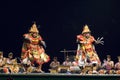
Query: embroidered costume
[[86, 51], [33, 48]]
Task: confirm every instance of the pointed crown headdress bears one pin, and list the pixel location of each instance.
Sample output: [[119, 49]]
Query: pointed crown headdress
[[86, 29], [34, 28]]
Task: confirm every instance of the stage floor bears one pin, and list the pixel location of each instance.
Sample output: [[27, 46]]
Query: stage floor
[[59, 76], [56, 74]]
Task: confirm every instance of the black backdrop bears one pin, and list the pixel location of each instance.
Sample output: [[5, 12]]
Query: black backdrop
[[59, 22]]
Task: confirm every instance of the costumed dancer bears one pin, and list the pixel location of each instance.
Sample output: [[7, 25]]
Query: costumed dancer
[[33, 49], [86, 50]]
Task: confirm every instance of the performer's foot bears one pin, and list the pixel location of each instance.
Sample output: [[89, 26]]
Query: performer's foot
[[42, 71]]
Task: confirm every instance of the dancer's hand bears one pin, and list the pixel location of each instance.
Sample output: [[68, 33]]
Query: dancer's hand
[[100, 40]]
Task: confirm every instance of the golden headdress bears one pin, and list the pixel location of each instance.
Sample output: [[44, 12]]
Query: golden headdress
[[86, 29], [34, 28]]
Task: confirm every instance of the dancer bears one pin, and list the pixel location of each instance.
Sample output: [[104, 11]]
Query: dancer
[[33, 49], [86, 50]]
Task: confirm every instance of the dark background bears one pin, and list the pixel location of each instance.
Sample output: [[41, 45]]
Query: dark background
[[59, 22]]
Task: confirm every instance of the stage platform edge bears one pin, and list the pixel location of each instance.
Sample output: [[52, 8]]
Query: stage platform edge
[[58, 76]]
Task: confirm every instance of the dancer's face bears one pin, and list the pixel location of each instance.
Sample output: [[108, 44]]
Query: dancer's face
[[87, 35], [34, 34]]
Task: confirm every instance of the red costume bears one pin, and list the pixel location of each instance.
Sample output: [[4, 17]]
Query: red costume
[[33, 49], [86, 50]]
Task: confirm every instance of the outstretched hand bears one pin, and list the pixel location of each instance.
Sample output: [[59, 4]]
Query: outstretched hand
[[100, 40]]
